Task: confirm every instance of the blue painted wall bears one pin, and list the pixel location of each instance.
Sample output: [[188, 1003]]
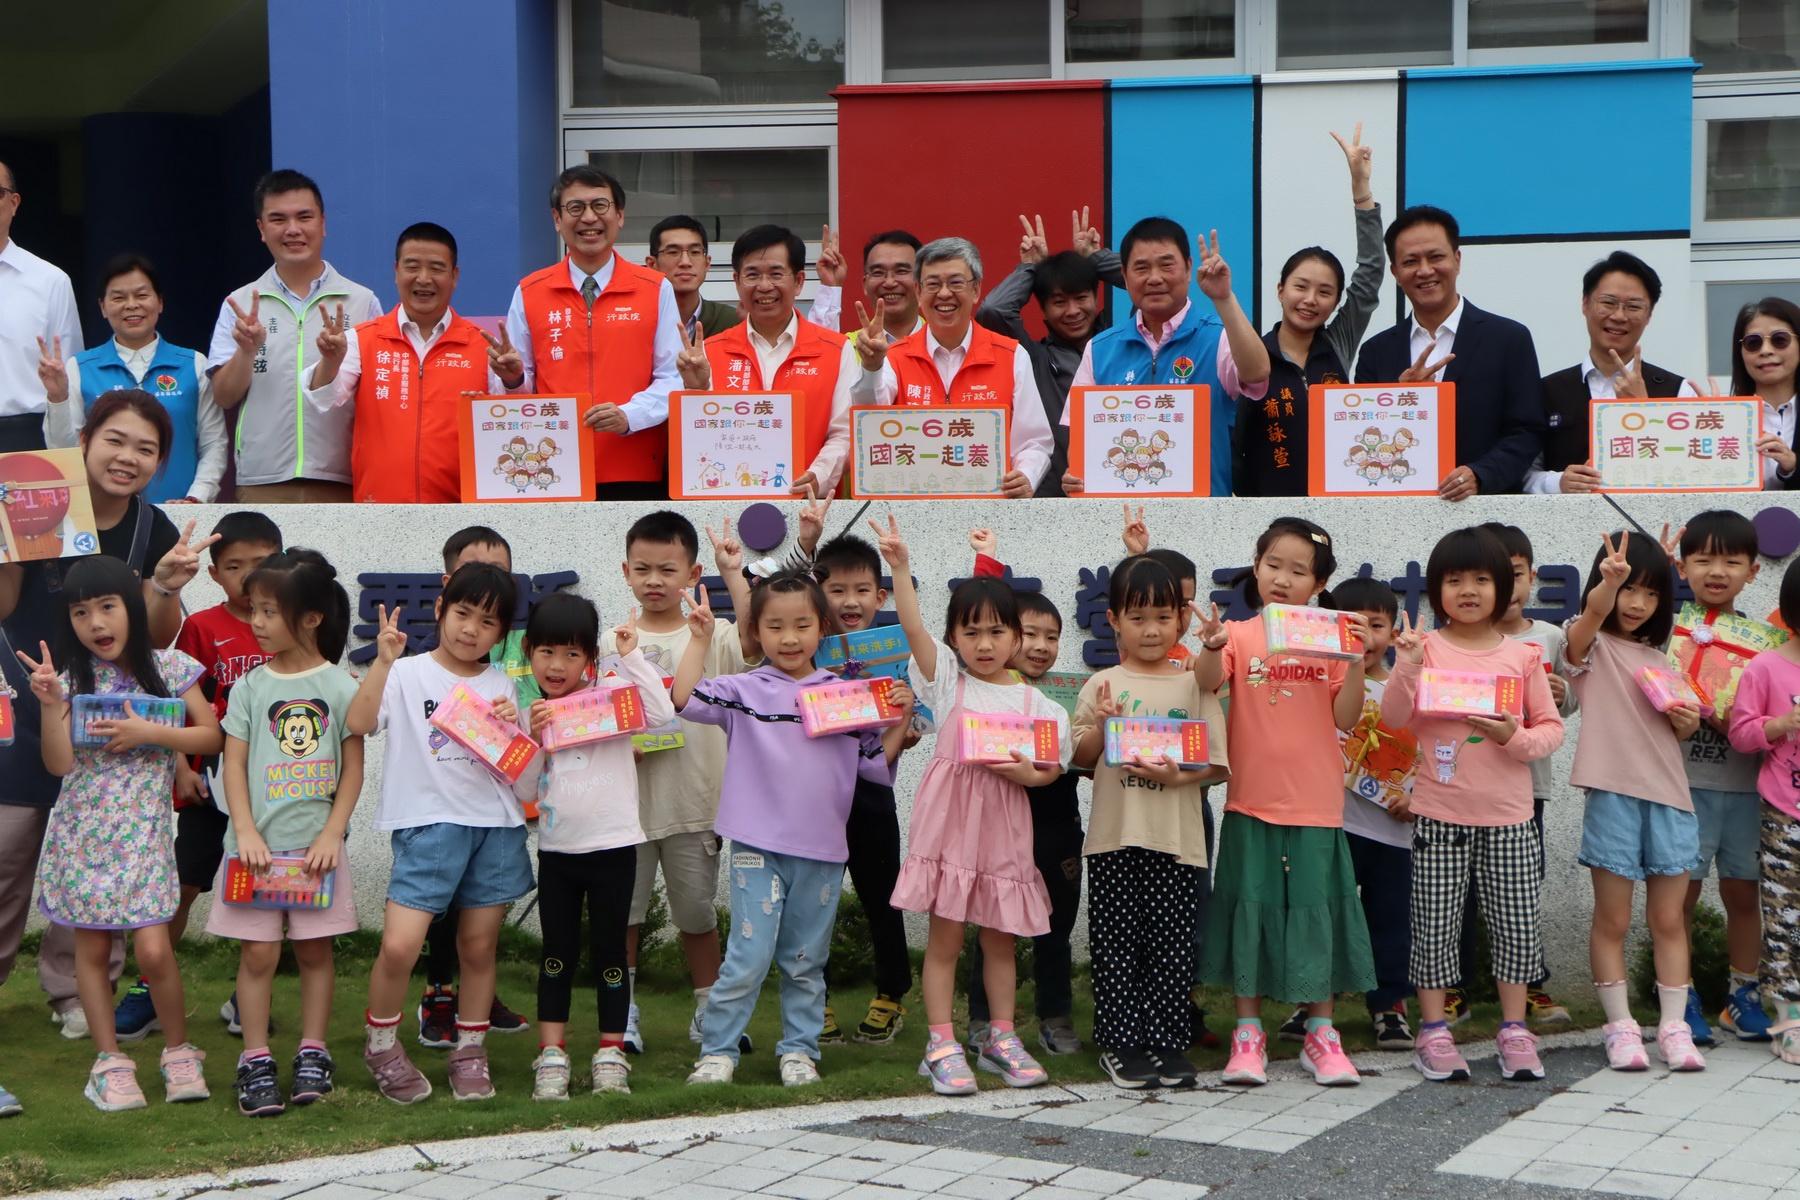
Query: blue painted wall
[[1590, 148], [422, 110]]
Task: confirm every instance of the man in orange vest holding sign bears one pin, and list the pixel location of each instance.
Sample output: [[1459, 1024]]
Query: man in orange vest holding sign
[[776, 350], [952, 360], [598, 325], [406, 373]]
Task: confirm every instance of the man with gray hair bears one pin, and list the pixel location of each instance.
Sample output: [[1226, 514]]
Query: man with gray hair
[[952, 360]]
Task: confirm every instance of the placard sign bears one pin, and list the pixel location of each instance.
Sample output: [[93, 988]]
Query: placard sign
[[1704, 444], [1153, 441], [914, 453], [726, 445], [45, 509], [517, 449], [1380, 439]]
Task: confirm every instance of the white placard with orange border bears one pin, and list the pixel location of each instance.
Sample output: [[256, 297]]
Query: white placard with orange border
[[928, 451], [1380, 439], [1142, 441], [518, 449], [734, 445]]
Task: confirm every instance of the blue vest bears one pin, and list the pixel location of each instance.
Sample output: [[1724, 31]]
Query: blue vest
[[172, 380], [1122, 358]]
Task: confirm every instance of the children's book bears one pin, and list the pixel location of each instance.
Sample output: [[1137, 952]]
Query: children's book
[[1713, 648]]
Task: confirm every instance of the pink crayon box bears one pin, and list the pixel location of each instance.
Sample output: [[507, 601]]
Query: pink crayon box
[[1668, 688], [1149, 738], [1468, 694], [286, 884], [606, 710], [1315, 632], [849, 705], [468, 720], [992, 738]]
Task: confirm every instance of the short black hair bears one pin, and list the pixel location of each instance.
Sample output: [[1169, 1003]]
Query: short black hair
[[587, 175], [1469, 549], [1649, 568], [426, 231], [1365, 593], [891, 237], [1155, 229], [1069, 272], [483, 586], [564, 619], [283, 180], [979, 597], [1788, 604], [665, 527], [473, 535], [1143, 582], [245, 526], [788, 582], [1422, 214], [1720, 531], [1036, 604], [1178, 564], [125, 264], [1516, 540], [1626, 264], [674, 222], [844, 554], [765, 237]]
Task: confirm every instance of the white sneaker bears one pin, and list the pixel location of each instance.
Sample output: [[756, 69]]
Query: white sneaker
[[550, 1074], [74, 1023], [694, 1024], [634, 1041], [713, 1068], [798, 1070], [611, 1071]]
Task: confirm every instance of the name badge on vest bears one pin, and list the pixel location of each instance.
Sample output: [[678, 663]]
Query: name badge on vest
[[1554, 420]]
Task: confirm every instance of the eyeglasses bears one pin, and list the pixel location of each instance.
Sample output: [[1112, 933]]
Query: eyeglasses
[[1612, 304], [1781, 339], [774, 275], [956, 285], [881, 273], [675, 253], [573, 209]]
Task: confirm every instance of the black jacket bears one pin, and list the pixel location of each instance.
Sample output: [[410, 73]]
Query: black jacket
[[1566, 409], [1499, 392]]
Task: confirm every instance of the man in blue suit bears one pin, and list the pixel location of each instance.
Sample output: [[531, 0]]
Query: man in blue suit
[[1490, 359]]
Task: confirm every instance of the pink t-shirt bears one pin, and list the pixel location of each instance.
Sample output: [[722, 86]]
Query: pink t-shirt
[[1626, 746], [1770, 687], [1285, 765], [1464, 777]]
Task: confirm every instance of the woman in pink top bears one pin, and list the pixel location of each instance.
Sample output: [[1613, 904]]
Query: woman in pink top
[[1766, 718], [1472, 801], [1639, 822], [1284, 920]]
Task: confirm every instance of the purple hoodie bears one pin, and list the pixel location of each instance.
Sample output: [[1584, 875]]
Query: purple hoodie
[[783, 791]]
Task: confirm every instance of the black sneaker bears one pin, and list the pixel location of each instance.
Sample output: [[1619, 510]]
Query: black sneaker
[[312, 1075], [1294, 1028], [502, 1019], [1130, 1069], [1391, 1030], [1173, 1070], [258, 1091], [437, 1020]]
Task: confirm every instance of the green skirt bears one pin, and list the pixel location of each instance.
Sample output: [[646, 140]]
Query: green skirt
[[1285, 920]]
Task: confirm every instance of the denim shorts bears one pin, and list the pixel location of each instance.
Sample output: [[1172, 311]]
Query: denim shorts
[[443, 866], [1730, 833], [1635, 839]]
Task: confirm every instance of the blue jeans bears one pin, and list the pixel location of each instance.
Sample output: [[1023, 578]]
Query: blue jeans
[[782, 910]]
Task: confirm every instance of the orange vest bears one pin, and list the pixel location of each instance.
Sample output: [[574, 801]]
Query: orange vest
[[607, 353], [811, 370], [985, 377], [404, 447]]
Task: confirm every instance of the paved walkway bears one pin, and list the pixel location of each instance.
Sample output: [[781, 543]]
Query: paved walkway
[[1725, 1134]]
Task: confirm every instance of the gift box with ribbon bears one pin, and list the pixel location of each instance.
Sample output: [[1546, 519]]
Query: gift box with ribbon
[[1712, 648]]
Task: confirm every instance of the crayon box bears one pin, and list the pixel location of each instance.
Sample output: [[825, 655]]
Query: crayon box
[[286, 884], [1468, 694], [1316, 632], [594, 714], [847, 706], [6, 719], [992, 738], [85, 710], [1668, 688], [1181, 742], [654, 738], [468, 720]]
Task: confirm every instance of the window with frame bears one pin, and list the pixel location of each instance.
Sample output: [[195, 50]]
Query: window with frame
[[1330, 33], [1508, 24], [1148, 30], [646, 53], [1734, 36], [727, 190], [956, 39]]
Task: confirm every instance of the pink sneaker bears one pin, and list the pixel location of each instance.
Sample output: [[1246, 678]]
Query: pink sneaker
[[1006, 1056], [469, 1078], [182, 1078], [948, 1069], [1625, 1045], [1249, 1063], [1675, 1042], [1436, 1058], [1324, 1059], [1518, 1053]]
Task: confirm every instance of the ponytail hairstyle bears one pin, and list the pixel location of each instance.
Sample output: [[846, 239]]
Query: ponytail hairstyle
[[90, 579], [302, 582], [1324, 558]]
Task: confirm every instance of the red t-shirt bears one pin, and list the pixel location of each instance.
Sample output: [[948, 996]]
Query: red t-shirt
[[221, 642]]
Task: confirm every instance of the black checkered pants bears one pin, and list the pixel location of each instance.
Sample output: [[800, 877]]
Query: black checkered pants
[[1503, 862]]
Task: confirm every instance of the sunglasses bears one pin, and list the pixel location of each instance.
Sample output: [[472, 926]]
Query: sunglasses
[[1781, 339]]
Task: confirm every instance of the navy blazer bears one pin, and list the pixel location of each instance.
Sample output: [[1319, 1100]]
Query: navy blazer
[[1499, 392]]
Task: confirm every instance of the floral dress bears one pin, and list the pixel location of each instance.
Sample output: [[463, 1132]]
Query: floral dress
[[109, 849]]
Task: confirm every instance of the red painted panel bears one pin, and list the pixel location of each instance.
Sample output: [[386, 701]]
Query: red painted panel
[[966, 160]]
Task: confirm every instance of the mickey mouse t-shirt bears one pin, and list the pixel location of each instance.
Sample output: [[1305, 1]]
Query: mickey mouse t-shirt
[[293, 726]]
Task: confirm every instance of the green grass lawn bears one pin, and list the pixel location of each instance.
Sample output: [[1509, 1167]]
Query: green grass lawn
[[61, 1141]]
